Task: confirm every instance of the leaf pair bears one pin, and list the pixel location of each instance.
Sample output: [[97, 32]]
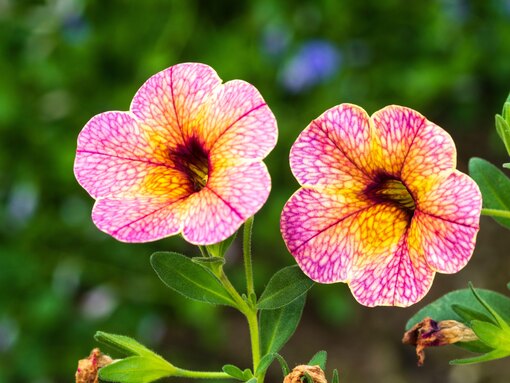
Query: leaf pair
[[141, 366]]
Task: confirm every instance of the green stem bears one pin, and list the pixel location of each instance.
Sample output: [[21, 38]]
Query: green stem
[[203, 251], [251, 315], [201, 374], [248, 226], [496, 213], [253, 325]]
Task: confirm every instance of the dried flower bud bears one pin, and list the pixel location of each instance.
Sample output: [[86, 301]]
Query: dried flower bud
[[430, 333], [315, 372], [88, 368]]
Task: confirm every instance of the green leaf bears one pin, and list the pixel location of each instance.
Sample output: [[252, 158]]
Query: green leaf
[[221, 248], [277, 326], [319, 359], [136, 369], [441, 309], [189, 279], [491, 335], [252, 380], [123, 344], [335, 378], [264, 363], [233, 371], [495, 354], [283, 364], [499, 320], [468, 314], [284, 287], [503, 131], [494, 185]]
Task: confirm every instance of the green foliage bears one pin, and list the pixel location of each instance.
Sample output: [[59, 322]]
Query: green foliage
[[494, 186], [264, 363], [319, 359], [277, 326], [237, 373], [136, 369], [285, 286], [190, 279], [143, 367], [221, 248]]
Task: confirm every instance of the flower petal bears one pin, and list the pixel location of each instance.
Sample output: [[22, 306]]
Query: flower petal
[[232, 195], [397, 276], [319, 231], [114, 157], [334, 150], [237, 123], [446, 245], [139, 219], [170, 100], [411, 147]]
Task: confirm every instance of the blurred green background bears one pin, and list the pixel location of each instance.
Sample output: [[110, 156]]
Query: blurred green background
[[63, 61]]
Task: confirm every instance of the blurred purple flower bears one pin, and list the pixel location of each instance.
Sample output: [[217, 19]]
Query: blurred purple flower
[[316, 62]]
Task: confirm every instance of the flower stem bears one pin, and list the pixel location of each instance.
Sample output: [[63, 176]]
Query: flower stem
[[253, 325], [496, 213], [201, 374], [248, 226]]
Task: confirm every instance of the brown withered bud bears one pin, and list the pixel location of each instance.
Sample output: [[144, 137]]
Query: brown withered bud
[[315, 372], [88, 368], [429, 333]]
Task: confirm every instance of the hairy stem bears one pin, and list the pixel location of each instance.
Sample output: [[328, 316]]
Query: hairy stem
[[248, 226], [201, 374]]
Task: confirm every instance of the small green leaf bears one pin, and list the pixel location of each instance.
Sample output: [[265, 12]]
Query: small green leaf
[[136, 369], [264, 363], [123, 344], [496, 354], [499, 320], [490, 334], [506, 165], [319, 359], [494, 185], [284, 287], [307, 378], [503, 131], [277, 326], [283, 364], [188, 278], [335, 378], [247, 374], [252, 380], [221, 248], [234, 371], [213, 263], [468, 314], [441, 309]]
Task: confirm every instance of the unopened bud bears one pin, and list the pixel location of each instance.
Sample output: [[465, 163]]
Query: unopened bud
[[429, 333]]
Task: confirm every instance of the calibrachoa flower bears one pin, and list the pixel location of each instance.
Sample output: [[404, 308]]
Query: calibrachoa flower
[[382, 206], [186, 158]]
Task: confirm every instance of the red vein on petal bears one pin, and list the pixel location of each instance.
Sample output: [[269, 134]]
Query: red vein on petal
[[225, 202]]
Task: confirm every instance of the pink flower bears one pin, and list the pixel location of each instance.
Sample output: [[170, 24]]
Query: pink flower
[[186, 158], [382, 207]]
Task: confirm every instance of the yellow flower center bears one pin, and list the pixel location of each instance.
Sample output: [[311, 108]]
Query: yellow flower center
[[392, 190], [192, 160]]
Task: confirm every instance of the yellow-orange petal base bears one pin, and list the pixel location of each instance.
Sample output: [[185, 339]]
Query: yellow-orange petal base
[[382, 206], [187, 158]]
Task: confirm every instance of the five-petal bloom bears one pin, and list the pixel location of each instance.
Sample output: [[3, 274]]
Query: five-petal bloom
[[382, 206], [186, 158]]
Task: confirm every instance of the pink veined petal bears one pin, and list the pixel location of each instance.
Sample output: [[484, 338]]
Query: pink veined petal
[[139, 219], [237, 123], [319, 231], [334, 150], [169, 102], [113, 157], [395, 129], [446, 245], [412, 148], [398, 276], [231, 196]]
